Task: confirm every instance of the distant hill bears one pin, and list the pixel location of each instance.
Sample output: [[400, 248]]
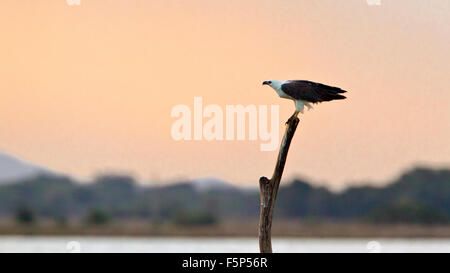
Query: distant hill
[[13, 169], [210, 183]]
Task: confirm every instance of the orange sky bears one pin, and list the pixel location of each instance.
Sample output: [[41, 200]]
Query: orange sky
[[90, 88]]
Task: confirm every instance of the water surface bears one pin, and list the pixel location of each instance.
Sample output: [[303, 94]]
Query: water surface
[[204, 245]]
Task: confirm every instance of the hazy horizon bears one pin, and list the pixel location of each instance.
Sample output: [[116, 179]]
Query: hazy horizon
[[25, 170], [90, 88]]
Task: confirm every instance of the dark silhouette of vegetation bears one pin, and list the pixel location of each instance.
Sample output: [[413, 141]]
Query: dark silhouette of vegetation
[[97, 217], [404, 211], [25, 215], [418, 196], [61, 220], [193, 218]]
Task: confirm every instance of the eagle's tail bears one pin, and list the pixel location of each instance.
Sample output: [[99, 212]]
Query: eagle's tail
[[331, 93]]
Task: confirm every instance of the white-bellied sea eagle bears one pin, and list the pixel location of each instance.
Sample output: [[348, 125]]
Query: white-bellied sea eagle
[[303, 93]]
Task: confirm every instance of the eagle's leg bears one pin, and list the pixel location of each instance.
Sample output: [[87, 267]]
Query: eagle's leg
[[299, 106]]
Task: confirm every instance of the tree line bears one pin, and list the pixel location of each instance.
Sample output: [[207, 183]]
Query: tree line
[[420, 195]]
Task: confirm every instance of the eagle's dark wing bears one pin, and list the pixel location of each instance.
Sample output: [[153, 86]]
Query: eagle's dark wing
[[312, 91]]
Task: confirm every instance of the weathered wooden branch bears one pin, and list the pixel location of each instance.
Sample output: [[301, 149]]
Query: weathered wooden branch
[[269, 189]]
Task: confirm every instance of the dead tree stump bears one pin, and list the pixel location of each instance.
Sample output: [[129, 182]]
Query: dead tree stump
[[269, 189]]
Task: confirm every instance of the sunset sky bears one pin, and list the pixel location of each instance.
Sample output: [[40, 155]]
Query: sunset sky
[[90, 88]]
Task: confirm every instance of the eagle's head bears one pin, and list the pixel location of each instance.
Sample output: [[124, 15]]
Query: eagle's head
[[273, 83]]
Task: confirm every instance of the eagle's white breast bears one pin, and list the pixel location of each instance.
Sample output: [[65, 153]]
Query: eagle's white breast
[[276, 85]]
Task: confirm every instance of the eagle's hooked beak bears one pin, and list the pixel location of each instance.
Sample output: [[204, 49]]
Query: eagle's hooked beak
[[266, 82]]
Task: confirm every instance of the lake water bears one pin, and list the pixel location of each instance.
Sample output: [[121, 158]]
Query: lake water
[[204, 245]]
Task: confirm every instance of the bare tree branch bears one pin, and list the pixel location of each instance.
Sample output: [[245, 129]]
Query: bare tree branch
[[269, 189]]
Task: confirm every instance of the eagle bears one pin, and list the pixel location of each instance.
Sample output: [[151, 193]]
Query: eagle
[[304, 93]]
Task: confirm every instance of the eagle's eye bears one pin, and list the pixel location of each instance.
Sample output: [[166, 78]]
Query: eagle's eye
[[269, 82]]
